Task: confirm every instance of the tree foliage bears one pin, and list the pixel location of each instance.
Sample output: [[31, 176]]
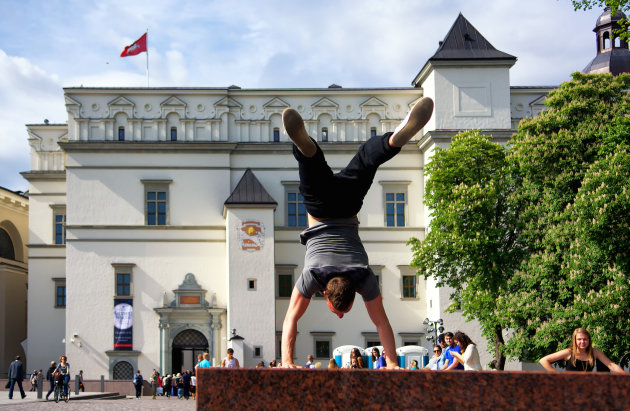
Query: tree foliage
[[535, 237], [615, 6], [575, 196], [472, 241]]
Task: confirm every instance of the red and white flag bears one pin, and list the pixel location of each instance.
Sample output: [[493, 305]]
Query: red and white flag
[[136, 47]]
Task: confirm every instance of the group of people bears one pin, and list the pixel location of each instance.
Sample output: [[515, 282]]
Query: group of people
[[183, 385], [454, 352]]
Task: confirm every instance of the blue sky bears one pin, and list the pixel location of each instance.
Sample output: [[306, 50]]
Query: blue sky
[[49, 44]]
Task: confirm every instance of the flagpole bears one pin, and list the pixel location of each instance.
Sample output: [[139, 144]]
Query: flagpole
[[147, 57]]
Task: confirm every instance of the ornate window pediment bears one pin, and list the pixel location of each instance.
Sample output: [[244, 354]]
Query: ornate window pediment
[[121, 105], [373, 105], [325, 106], [274, 106], [173, 105]]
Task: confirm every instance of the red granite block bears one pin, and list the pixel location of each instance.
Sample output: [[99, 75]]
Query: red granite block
[[402, 389]]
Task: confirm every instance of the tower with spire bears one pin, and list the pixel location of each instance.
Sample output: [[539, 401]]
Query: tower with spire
[[613, 55]]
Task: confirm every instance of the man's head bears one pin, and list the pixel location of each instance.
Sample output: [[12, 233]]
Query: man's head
[[441, 342], [448, 338], [339, 295], [206, 356], [230, 353], [310, 357]]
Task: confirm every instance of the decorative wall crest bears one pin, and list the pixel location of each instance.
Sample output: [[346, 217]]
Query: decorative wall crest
[[252, 235]]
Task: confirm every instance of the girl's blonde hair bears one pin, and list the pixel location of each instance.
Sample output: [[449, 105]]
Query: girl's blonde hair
[[574, 347]]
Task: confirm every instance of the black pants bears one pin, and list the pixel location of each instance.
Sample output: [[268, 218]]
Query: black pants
[[138, 390], [340, 195]]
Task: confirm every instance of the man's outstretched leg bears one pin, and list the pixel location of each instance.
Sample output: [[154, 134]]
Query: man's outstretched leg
[[417, 117], [294, 125]]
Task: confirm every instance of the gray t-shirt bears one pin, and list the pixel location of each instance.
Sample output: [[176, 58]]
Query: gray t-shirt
[[333, 247]]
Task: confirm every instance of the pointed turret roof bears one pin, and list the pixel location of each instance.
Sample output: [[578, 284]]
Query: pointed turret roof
[[249, 191], [464, 42]]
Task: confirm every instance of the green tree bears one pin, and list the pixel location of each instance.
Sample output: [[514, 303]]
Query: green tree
[[471, 244], [615, 6], [574, 195]]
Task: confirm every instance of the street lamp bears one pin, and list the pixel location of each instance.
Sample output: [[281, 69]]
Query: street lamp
[[433, 327]]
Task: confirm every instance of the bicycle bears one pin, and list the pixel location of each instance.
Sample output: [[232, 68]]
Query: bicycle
[[59, 388]]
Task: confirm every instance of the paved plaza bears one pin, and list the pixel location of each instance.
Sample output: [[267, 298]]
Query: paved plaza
[[130, 403]]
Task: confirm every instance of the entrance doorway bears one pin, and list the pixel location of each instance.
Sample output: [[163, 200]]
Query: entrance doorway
[[186, 346]]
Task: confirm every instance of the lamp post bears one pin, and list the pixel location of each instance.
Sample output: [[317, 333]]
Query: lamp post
[[433, 327]]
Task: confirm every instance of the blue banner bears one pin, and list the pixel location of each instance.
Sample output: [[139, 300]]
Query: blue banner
[[123, 325]]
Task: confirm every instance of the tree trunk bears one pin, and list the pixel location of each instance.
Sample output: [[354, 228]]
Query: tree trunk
[[499, 342]]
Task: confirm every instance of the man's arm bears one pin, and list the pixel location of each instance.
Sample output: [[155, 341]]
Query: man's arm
[[454, 364], [297, 307], [386, 334]]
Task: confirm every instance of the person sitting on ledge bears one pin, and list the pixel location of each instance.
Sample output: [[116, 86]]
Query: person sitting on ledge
[[336, 262], [580, 356]]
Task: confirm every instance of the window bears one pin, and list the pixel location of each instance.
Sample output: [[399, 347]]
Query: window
[[156, 208], [6, 246], [279, 345], [395, 209], [276, 135], [322, 349], [378, 272], [251, 284], [324, 134], [296, 211], [123, 371], [257, 352], [395, 204], [123, 284], [59, 224], [322, 343], [121, 134], [173, 133], [371, 339], [410, 338], [409, 286], [60, 292], [284, 283], [123, 277], [373, 132], [156, 201]]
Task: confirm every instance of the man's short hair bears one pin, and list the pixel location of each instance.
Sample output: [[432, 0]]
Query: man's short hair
[[230, 351], [17, 357], [448, 334], [441, 338], [340, 292]]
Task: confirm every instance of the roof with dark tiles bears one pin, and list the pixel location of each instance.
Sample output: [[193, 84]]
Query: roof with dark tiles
[[249, 191], [464, 42]]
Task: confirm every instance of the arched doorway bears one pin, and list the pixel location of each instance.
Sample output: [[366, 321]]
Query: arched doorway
[[186, 345]]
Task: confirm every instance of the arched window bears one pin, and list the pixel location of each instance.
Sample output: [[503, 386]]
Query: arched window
[[617, 41], [6, 246], [121, 134], [190, 339], [123, 371], [606, 41], [173, 133], [276, 135], [324, 134]]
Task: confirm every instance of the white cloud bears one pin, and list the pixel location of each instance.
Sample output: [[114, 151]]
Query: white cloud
[[27, 95]]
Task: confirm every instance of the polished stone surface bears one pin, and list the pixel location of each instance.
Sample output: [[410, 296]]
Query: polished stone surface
[[402, 389]]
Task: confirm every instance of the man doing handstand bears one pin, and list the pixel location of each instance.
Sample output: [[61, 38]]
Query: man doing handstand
[[336, 262]]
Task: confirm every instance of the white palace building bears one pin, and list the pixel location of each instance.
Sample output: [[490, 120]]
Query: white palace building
[[165, 221]]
